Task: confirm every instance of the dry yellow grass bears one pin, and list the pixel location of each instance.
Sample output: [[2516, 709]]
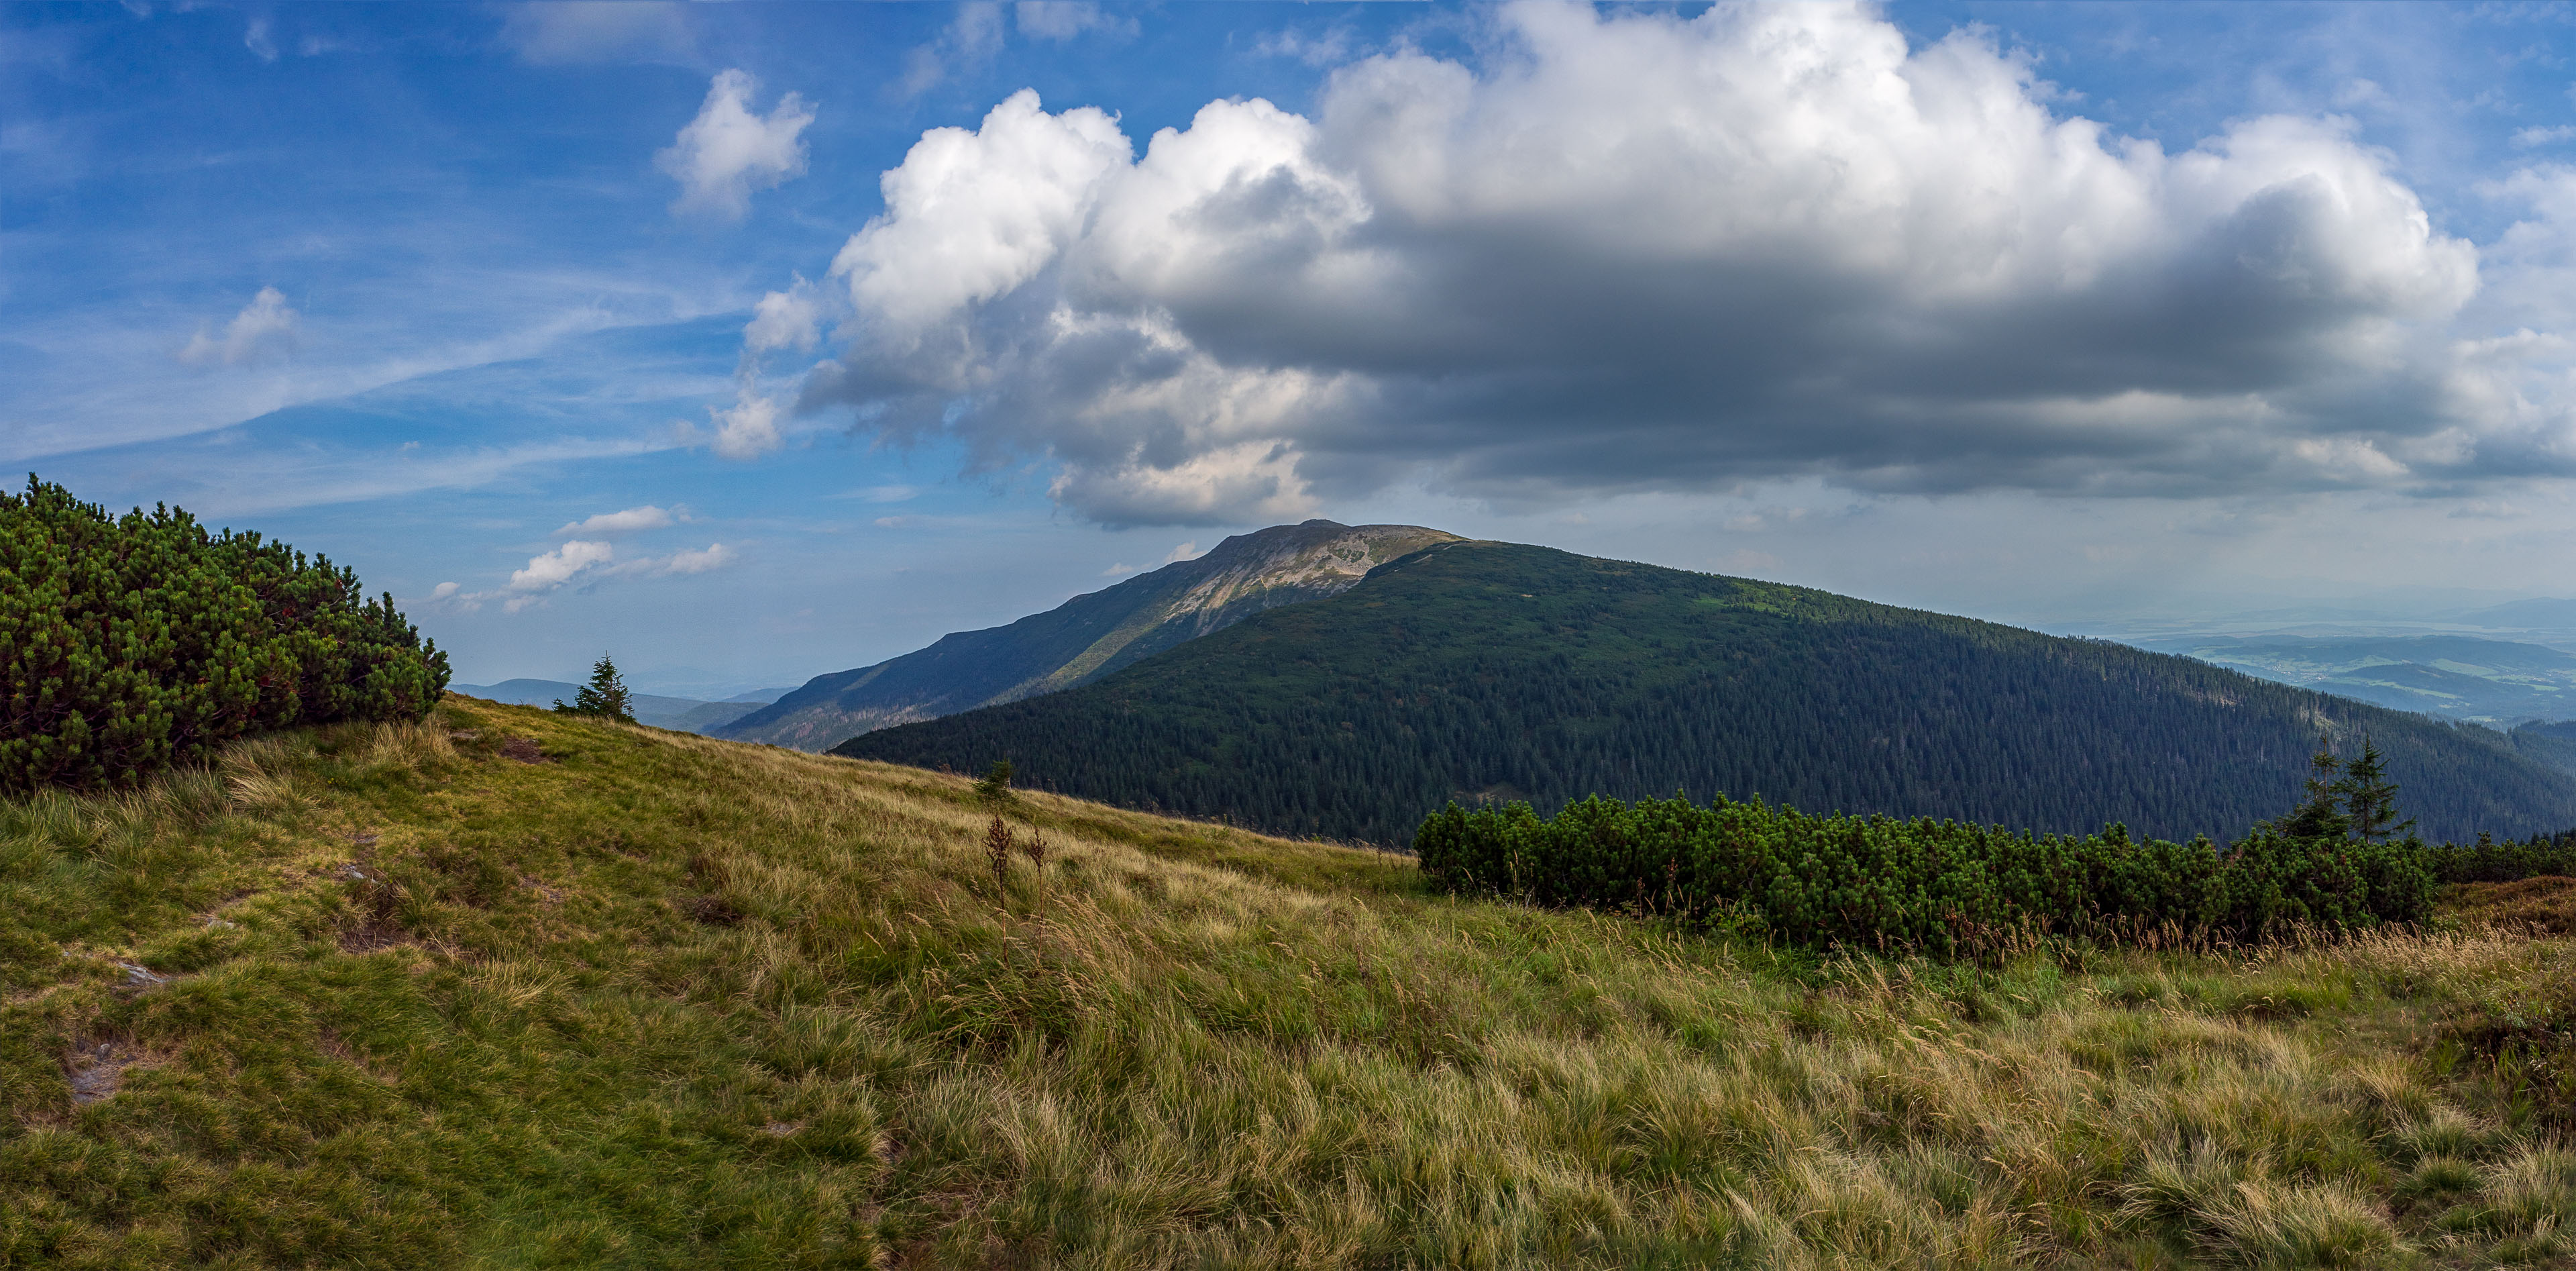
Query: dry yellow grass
[[661, 1000]]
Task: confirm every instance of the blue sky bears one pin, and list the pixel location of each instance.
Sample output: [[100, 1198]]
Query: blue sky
[[2105, 311]]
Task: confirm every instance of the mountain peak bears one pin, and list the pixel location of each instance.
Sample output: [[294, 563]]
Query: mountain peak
[[1090, 635]]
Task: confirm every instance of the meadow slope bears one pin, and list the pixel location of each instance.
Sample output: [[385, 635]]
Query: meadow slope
[[514, 989]]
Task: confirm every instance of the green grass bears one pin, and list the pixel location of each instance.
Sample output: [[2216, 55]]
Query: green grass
[[663, 1001]]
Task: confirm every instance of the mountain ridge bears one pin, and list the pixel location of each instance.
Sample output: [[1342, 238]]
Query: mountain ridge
[[1089, 636], [661, 710], [1506, 671]]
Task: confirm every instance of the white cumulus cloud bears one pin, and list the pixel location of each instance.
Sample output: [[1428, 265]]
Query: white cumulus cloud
[[747, 429], [1635, 251], [730, 150], [713, 556], [647, 517], [263, 331], [587, 561], [553, 569], [789, 319]]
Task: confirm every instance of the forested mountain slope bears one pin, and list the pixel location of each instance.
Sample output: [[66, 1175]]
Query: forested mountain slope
[[1493, 670], [1085, 637]]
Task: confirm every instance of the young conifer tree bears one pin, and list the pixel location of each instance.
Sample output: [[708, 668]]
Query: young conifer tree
[[993, 789], [2370, 798], [605, 695], [2322, 816]]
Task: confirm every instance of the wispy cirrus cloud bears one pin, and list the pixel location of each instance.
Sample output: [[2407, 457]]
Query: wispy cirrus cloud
[[1061, 20], [560, 32]]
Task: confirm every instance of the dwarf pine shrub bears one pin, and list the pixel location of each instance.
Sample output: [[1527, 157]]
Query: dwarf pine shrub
[[1939, 887], [132, 643], [2488, 861]]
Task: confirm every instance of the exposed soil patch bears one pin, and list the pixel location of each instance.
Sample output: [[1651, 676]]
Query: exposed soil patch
[[713, 911], [371, 937], [97, 1071], [524, 749]]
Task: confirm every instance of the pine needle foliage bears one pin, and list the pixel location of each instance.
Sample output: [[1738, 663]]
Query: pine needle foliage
[[132, 643]]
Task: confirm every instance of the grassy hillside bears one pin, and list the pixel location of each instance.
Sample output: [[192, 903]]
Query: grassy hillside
[[514, 989], [1496, 670]]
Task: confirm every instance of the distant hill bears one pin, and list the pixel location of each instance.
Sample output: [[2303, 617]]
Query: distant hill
[[1088, 636], [2459, 677], [1477, 670], [681, 714], [2539, 615]]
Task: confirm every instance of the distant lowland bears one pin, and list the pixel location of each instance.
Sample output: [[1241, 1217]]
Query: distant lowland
[[2467, 677], [679, 714]]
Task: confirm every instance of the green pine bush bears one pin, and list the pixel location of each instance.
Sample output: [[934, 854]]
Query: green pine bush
[[1938, 887], [2488, 861], [133, 643]]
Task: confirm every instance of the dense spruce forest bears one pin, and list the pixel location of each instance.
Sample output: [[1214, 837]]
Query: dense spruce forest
[[1484, 671]]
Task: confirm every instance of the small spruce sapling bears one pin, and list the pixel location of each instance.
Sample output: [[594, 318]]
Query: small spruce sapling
[[2370, 797], [605, 695], [2322, 816], [993, 789]]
